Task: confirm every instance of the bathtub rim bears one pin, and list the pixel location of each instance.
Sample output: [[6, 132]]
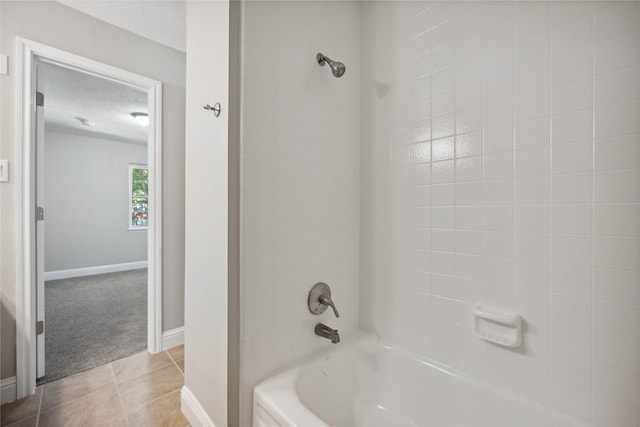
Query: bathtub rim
[[281, 391]]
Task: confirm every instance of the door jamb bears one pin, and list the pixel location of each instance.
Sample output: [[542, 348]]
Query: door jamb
[[27, 53]]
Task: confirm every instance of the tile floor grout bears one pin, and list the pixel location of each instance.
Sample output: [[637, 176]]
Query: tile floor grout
[[137, 364], [40, 406], [126, 415]]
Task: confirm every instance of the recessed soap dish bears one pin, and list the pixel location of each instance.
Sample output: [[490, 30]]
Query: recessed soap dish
[[498, 325]]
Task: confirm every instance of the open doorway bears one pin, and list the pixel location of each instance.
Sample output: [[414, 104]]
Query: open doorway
[[92, 187], [31, 299]]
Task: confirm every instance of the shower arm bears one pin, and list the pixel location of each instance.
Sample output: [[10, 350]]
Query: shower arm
[[323, 59]]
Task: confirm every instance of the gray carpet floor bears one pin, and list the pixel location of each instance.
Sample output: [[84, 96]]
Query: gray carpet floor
[[93, 320]]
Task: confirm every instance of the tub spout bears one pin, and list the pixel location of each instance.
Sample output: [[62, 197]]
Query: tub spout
[[324, 331]]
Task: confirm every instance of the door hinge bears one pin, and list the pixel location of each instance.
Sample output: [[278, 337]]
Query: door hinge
[[39, 99], [40, 327], [39, 214]]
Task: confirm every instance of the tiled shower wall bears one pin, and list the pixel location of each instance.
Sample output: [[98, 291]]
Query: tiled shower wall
[[500, 163], [299, 180]]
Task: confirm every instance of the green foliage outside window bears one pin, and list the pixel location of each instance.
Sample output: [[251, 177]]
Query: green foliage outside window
[[139, 197]]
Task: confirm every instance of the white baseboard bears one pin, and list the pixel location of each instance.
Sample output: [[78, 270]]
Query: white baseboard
[[91, 271], [8, 390], [192, 409], [173, 338]]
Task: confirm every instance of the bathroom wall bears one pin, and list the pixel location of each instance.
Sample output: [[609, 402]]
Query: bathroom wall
[[501, 164], [299, 180]]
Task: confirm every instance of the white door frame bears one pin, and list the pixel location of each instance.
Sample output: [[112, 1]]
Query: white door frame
[[27, 53]]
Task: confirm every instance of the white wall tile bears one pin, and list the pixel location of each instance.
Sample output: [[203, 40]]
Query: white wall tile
[[468, 120], [533, 48], [617, 319], [570, 371], [498, 113], [617, 286], [621, 152], [607, 412], [531, 246], [571, 96], [530, 18], [291, 173], [615, 20], [498, 191], [531, 218], [531, 274], [571, 219], [442, 172], [617, 119], [570, 341], [617, 220], [498, 139], [533, 161], [497, 273], [572, 188], [572, 64], [469, 144], [573, 33], [532, 190], [571, 311], [532, 305], [572, 126], [616, 52], [617, 186], [468, 218], [615, 86], [497, 218], [536, 75], [572, 158], [532, 105], [616, 351], [574, 280], [574, 401], [533, 195], [563, 12], [468, 193], [617, 252]]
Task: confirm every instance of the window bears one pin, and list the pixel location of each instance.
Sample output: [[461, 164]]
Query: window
[[138, 197]]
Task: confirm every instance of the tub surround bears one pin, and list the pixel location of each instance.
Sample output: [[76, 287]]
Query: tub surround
[[496, 161], [299, 181], [365, 382]]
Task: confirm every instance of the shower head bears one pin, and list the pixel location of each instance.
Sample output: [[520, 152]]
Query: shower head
[[337, 68]]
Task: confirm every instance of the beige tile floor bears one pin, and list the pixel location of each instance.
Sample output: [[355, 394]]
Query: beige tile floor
[[140, 390]]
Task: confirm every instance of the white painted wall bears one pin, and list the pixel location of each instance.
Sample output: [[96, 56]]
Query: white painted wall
[[204, 397], [87, 202], [501, 164], [299, 180], [58, 26]]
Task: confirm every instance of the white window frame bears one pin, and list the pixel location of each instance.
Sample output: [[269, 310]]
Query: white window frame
[[132, 227]]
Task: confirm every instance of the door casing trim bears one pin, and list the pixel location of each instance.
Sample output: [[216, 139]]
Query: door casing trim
[[27, 53]]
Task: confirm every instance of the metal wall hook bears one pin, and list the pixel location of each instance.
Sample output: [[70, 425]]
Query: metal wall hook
[[217, 108]]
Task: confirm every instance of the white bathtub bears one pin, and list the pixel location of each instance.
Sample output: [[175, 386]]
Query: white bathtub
[[362, 382]]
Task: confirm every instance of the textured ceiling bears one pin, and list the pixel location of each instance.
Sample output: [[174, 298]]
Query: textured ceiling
[[163, 21], [70, 95]]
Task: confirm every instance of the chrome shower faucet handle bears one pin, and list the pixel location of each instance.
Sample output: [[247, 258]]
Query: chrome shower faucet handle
[[320, 299]]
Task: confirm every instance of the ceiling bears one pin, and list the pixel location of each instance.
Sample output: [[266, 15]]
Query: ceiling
[[163, 21], [70, 95]]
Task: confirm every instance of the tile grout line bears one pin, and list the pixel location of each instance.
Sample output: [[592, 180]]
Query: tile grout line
[[175, 362], [113, 376], [177, 366], [40, 406]]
